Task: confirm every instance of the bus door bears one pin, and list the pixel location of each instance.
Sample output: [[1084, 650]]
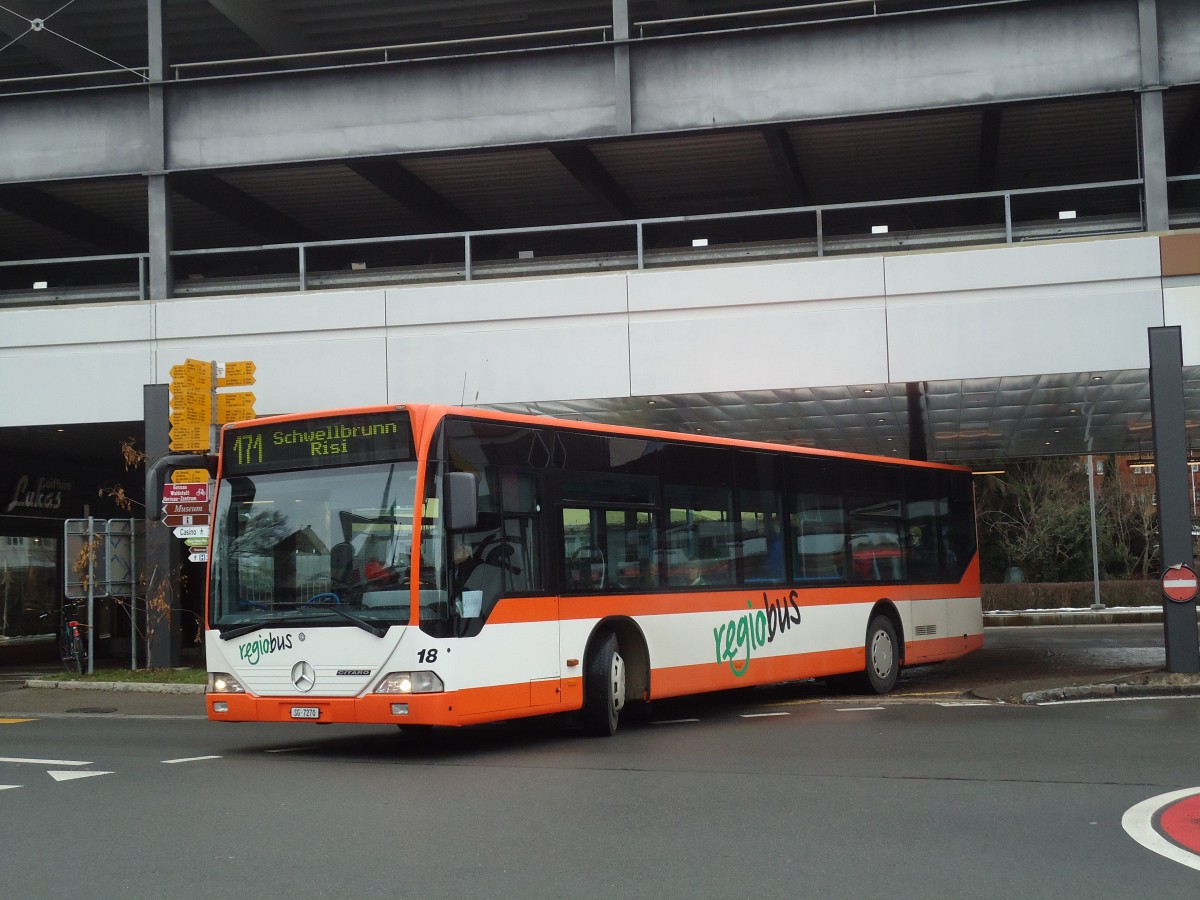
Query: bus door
[[497, 588]]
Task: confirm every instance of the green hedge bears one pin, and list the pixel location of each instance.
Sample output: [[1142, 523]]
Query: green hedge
[[1069, 595]]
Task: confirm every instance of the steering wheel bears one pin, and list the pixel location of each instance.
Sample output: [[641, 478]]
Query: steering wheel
[[326, 597]]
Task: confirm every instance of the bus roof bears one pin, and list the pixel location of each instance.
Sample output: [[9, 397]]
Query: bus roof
[[429, 414]]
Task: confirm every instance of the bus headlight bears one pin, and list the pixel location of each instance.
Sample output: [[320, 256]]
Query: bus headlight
[[224, 683], [410, 683]]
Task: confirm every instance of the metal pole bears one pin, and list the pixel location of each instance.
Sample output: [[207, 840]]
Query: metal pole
[[1169, 416], [91, 597], [133, 594], [1091, 470]]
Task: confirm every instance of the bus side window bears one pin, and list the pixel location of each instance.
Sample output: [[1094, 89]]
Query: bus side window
[[607, 550], [759, 519], [817, 518], [698, 495]]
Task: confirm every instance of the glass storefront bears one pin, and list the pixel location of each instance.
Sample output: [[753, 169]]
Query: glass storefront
[[37, 496], [29, 586]]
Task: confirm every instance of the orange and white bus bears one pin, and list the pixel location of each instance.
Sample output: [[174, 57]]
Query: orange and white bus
[[427, 565]]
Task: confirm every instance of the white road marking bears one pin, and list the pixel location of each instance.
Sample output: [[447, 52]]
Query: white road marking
[[171, 762], [288, 749], [71, 776], [963, 703], [9, 787], [858, 708], [1138, 820], [44, 762], [765, 715]]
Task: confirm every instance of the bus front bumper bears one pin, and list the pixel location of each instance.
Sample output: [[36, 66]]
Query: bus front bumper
[[409, 709]]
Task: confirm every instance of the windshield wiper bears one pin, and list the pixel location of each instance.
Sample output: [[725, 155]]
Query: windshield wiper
[[234, 631], [370, 626]]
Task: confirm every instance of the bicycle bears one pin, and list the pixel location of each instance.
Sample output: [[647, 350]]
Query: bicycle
[[72, 647]]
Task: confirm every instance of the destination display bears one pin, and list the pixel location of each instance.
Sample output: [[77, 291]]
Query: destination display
[[307, 443]]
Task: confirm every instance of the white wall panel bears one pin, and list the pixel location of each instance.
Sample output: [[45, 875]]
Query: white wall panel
[[512, 340], [73, 383], [787, 323], [1023, 265], [756, 284], [750, 348], [512, 298], [1181, 306], [74, 364], [52, 326], [1035, 330], [313, 311], [1066, 307]]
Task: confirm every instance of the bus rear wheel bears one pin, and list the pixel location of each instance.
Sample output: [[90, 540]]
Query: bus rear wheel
[[604, 687], [883, 655]]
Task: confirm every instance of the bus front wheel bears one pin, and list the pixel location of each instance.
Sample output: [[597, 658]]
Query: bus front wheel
[[604, 687], [883, 655]]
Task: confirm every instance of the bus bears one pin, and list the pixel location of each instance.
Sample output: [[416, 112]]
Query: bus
[[426, 565]]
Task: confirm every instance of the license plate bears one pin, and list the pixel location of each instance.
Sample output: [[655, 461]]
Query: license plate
[[306, 712]]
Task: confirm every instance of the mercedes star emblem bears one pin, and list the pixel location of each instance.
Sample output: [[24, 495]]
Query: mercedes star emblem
[[303, 677]]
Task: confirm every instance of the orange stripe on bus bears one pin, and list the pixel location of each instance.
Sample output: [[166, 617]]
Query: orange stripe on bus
[[514, 610]]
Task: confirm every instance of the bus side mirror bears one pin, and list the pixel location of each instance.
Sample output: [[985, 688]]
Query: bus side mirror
[[462, 507]]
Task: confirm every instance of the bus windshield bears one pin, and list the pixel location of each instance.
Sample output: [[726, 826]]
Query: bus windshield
[[326, 546]]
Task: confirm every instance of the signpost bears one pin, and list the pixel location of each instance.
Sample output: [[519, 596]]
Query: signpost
[[196, 407]]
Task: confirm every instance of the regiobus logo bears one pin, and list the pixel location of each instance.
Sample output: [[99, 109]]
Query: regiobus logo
[[736, 641], [255, 650]]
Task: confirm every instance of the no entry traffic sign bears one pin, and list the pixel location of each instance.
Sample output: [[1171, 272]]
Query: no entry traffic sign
[[1179, 583]]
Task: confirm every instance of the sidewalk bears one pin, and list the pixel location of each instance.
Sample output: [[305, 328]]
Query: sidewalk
[[43, 698], [1113, 615]]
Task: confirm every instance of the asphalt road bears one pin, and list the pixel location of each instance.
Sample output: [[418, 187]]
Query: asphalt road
[[782, 798], [783, 792]]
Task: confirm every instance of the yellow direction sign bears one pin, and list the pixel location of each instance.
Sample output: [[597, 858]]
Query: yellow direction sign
[[235, 407], [189, 476], [189, 437], [194, 374], [191, 409], [235, 374]]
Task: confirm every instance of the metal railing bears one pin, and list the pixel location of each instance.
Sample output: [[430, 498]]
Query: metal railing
[[634, 244]]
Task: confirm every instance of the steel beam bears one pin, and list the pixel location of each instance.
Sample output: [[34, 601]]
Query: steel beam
[[40, 206], [747, 77], [1173, 484], [238, 206], [583, 166], [787, 164], [259, 21], [412, 193]]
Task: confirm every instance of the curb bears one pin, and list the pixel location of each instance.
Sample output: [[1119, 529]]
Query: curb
[[146, 687], [1114, 616], [1179, 688]]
